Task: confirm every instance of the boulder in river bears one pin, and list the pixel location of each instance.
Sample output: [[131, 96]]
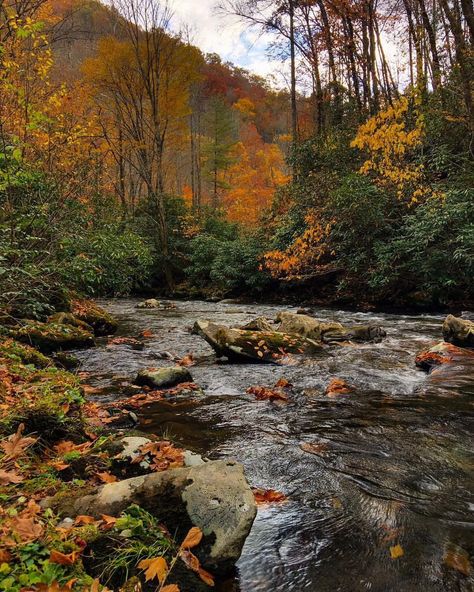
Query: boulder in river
[[244, 345], [442, 353], [213, 496], [67, 318], [163, 377], [258, 324], [150, 303], [329, 332], [458, 331], [49, 337], [95, 316]]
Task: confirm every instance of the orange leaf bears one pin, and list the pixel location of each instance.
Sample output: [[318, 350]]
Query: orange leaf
[[265, 496], [106, 477], [190, 560], [206, 577], [81, 519], [458, 559], [155, 568], [5, 556], [26, 528], [146, 333], [62, 558], [7, 477], [192, 539], [396, 552], [170, 588], [15, 445]]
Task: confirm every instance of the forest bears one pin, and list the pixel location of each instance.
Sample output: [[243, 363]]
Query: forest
[[172, 185]]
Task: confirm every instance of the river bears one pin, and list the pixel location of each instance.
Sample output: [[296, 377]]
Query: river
[[388, 504]]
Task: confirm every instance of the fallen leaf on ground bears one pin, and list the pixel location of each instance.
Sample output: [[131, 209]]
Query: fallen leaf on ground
[[146, 333], [82, 519], [155, 567], [26, 528], [170, 588], [396, 552], [15, 445], [62, 558], [192, 539], [7, 477], [268, 496], [106, 477], [5, 556]]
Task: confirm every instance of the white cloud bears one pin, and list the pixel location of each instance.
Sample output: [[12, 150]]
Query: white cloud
[[225, 35]]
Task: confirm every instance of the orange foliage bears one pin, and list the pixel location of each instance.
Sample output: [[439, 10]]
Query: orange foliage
[[305, 253]]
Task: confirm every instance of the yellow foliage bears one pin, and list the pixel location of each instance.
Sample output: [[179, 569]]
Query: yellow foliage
[[391, 141]]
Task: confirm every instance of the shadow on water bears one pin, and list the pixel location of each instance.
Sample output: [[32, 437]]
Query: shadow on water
[[386, 504]]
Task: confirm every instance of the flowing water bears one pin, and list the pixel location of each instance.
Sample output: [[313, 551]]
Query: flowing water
[[386, 506]]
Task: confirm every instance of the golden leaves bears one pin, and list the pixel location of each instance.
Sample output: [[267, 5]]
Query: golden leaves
[[62, 558], [156, 567], [396, 552]]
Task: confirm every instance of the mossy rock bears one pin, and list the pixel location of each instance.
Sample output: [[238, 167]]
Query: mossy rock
[[24, 354], [260, 346], [99, 319], [67, 318], [49, 337]]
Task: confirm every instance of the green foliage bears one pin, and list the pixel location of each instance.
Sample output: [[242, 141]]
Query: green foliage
[[111, 261], [433, 251], [231, 265]]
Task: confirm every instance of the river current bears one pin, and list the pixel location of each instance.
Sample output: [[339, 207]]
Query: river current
[[388, 503]]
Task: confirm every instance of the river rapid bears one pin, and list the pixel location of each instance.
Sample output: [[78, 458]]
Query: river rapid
[[387, 506]]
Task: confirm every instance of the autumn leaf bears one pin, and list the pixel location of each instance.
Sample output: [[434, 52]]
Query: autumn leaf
[[146, 333], [26, 528], [5, 556], [188, 360], [82, 519], [317, 448], [62, 558], [458, 559], [190, 560], [265, 496], [15, 445], [192, 539], [107, 477], [170, 588], [205, 576], [396, 552], [7, 477], [108, 521], [155, 568], [336, 387]]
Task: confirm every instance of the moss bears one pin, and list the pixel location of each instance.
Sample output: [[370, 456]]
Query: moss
[[24, 354], [99, 319], [49, 337]]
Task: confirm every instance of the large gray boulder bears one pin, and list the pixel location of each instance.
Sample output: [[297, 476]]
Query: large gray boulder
[[245, 345], [214, 496], [330, 332], [163, 377], [458, 331]]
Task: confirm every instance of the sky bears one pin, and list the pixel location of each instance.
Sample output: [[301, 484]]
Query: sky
[[225, 35]]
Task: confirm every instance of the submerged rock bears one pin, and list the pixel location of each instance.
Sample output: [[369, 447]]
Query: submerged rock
[[163, 377], [213, 496], [245, 345], [458, 331], [99, 319], [49, 337]]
